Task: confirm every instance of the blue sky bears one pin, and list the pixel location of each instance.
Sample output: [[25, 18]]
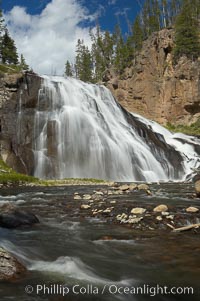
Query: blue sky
[[46, 31]]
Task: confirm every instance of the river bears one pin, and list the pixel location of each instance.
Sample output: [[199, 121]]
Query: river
[[68, 249]]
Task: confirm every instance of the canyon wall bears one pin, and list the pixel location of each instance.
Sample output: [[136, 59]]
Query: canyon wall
[[155, 88], [18, 93]]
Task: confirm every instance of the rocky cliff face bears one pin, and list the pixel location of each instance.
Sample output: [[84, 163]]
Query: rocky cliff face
[[156, 89], [18, 93]]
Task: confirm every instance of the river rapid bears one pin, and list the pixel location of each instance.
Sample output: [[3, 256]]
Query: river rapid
[[69, 249]]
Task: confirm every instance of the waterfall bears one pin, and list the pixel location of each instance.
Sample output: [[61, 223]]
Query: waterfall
[[82, 132]]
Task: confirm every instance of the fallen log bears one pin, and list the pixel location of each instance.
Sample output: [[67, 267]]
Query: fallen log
[[185, 228], [170, 226]]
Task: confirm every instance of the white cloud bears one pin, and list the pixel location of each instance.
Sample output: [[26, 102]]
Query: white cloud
[[49, 39]]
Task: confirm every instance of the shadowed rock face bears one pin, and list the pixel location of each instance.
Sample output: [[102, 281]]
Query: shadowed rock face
[[153, 87], [11, 269], [18, 93], [156, 141]]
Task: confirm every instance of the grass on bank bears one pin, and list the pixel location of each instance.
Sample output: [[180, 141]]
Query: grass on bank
[[9, 176], [193, 129], [9, 69]]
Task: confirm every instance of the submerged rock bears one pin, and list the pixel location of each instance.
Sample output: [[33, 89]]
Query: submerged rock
[[10, 217], [106, 237], [11, 268]]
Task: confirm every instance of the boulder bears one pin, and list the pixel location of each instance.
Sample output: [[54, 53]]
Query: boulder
[[85, 206], [138, 210], [113, 202], [134, 220], [192, 210], [97, 197], [124, 187], [197, 188], [11, 268], [99, 193], [10, 217], [160, 208], [87, 197], [108, 210], [143, 187], [133, 186]]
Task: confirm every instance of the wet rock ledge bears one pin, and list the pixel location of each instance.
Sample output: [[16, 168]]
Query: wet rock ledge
[[10, 267]]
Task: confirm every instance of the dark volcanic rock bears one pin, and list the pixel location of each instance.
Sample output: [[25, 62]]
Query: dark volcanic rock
[[10, 267]]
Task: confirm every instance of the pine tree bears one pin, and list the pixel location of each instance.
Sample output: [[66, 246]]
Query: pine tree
[[122, 51], [8, 50], [107, 49], [102, 52], [137, 34], [146, 11], [68, 69], [2, 25], [83, 63], [154, 18], [86, 70], [78, 57], [23, 63], [164, 14], [187, 39]]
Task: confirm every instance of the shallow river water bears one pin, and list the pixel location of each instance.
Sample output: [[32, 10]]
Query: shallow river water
[[65, 249]]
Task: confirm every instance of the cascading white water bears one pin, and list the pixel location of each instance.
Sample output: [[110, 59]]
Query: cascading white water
[[81, 132]]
